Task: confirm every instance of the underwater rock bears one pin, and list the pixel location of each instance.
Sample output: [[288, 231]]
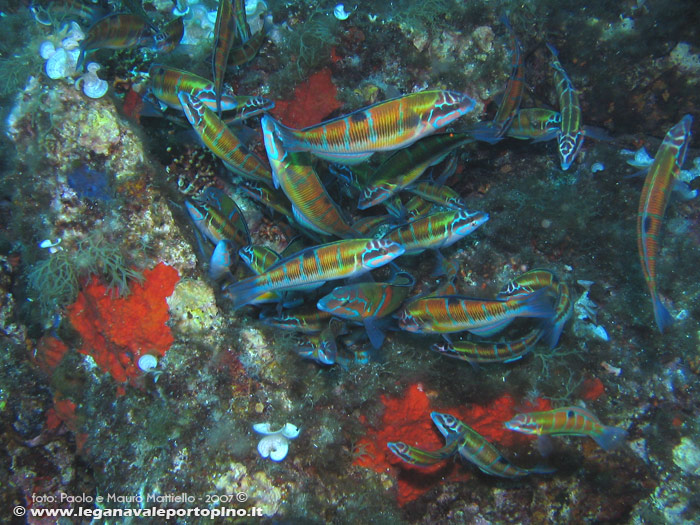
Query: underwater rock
[[686, 456], [90, 183]]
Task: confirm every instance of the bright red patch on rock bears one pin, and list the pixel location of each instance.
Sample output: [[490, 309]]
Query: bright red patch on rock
[[407, 419], [591, 389], [311, 103], [117, 331], [48, 353]]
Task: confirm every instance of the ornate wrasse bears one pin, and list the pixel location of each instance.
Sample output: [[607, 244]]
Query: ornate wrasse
[[425, 458], [385, 126], [570, 137], [221, 141], [218, 217], [167, 82], [224, 31], [652, 206], [117, 31], [294, 173], [316, 265], [473, 447], [454, 313], [536, 124], [485, 352], [568, 421]]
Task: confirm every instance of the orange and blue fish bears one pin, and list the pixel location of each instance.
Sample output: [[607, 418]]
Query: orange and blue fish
[[568, 421], [483, 317], [218, 217], [224, 30], [652, 207], [117, 31], [438, 194], [246, 51], [222, 142], [273, 199], [168, 39], [570, 136], [485, 352], [426, 458], [324, 348], [167, 82], [312, 206], [536, 124], [476, 449], [385, 126], [313, 266], [304, 320], [406, 165], [495, 130], [437, 230], [367, 302]]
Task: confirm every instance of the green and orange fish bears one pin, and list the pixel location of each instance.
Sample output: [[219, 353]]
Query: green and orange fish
[[652, 206]]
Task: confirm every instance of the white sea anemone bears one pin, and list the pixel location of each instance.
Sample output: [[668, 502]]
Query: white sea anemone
[[340, 13]]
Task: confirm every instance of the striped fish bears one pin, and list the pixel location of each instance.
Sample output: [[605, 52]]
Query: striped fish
[[324, 348], [221, 141], [652, 207], [385, 126], [406, 165], [220, 262], [168, 39], [455, 313], [218, 217], [535, 124], [476, 449], [528, 282], [167, 82], [366, 302], [293, 172], [563, 311], [314, 266], [437, 230], [485, 352], [305, 320], [245, 52], [570, 137], [568, 421], [224, 30], [425, 458], [117, 31], [241, 33], [438, 194], [494, 131], [265, 195]]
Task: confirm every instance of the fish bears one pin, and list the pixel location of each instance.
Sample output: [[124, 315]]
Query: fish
[[437, 230], [425, 458], [217, 224], [535, 124], [405, 166], [168, 39], [241, 32], [485, 352], [293, 172], [265, 195], [483, 317], [385, 126], [314, 266], [224, 30], [473, 447], [222, 142], [324, 350], [167, 82], [528, 282], [652, 206], [440, 195], [570, 136], [220, 262], [305, 320], [116, 31], [245, 52], [367, 302], [568, 421], [563, 311], [495, 130]]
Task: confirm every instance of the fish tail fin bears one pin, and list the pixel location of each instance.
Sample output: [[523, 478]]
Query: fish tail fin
[[486, 132], [611, 438], [551, 332], [286, 135], [537, 304], [542, 469], [243, 292], [661, 314]]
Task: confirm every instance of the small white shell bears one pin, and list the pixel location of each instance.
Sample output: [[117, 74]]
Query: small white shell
[[275, 447], [147, 362], [598, 166], [264, 429], [47, 49], [340, 13], [56, 66], [93, 86], [290, 431]]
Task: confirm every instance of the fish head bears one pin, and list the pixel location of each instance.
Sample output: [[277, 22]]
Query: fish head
[[273, 143], [465, 222], [375, 194], [449, 106], [408, 322], [379, 252], [522, 423], [447, 424], [338, 298], [443, 348], [193, 108], [568, 148], [401, 450]]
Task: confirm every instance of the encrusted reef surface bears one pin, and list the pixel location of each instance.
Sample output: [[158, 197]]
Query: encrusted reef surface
[[127, 380]]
